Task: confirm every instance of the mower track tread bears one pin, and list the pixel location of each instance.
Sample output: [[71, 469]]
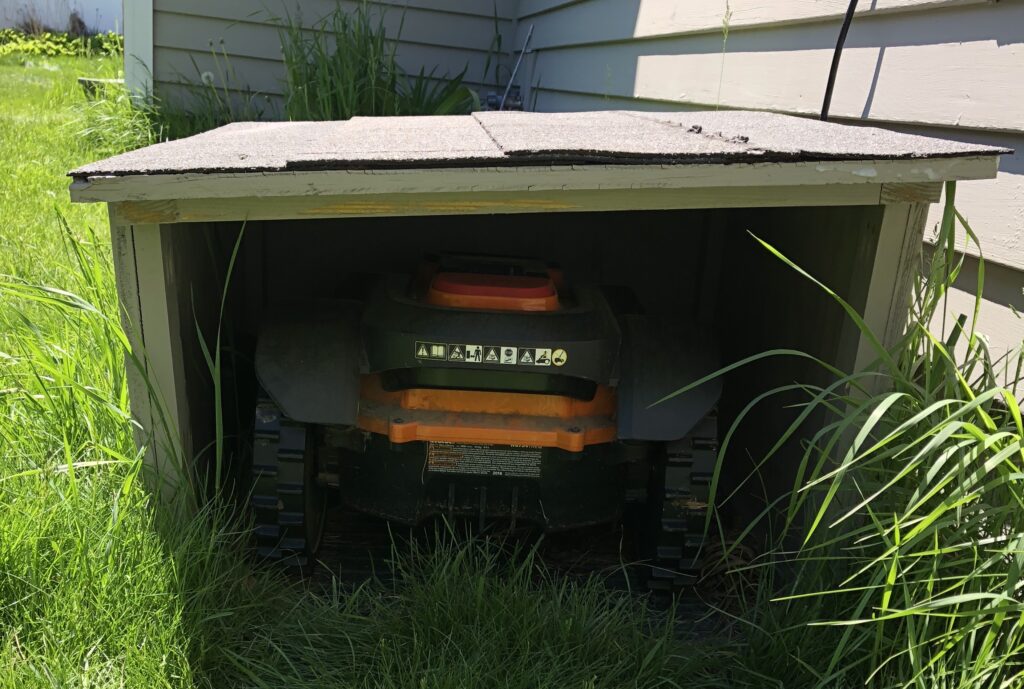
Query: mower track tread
[[278, 500], [682, 509]]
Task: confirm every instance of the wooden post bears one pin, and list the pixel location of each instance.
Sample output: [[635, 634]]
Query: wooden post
[[897, 259], [155, 366]]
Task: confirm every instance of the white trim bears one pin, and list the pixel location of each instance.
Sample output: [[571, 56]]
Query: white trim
[[160, 332], [179, 187], [890, 287], [138, 47]]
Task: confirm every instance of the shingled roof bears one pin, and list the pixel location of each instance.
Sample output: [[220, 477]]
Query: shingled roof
[[518, 138]]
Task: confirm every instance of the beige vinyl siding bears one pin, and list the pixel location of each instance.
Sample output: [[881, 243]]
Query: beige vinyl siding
[[239, 42], [948, 68], [576, 22]]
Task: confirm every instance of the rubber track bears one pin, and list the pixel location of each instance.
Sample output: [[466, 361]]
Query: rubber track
[[278, 491], [689, 466]]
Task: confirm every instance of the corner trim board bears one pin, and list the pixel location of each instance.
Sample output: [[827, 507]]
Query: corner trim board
[[138, 47]]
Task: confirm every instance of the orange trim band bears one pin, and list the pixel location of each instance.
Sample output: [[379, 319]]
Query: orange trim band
[[500, 418], [491, 303], [481, 402]]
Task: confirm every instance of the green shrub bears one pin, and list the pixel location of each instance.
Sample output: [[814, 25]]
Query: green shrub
[[48, 44]]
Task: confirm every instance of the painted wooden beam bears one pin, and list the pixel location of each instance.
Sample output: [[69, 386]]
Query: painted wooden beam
[[483, 203], [155, 368], [897, 260], [529, 178]]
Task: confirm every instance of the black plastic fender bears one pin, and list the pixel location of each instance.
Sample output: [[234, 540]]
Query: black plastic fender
[[308, 359], [658, 357]]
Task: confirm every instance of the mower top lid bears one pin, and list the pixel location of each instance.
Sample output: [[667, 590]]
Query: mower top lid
[[493, 283], [497, 292]]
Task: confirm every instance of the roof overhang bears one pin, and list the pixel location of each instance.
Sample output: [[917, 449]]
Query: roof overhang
[[523, 162], [223, 185]]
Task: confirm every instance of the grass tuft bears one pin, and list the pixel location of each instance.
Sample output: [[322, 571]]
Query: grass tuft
[[907, 513], [347, 66]]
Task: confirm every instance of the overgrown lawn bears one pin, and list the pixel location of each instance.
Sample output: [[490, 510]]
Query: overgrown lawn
[[910, 508], [100, 588]]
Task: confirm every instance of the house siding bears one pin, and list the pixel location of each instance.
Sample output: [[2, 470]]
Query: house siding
[[239, 42], [946, 68]]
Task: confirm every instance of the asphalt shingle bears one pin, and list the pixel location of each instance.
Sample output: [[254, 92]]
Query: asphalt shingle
[[518, 138]]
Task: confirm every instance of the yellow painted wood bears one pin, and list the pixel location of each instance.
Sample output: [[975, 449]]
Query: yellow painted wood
[[923, 192]]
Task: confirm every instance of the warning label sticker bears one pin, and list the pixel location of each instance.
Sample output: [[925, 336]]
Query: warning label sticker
[[431, 350], [517, 461], [489, 354], [456, 352]]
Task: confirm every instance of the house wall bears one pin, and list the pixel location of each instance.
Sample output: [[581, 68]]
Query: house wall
[[947, 68], [239, 42]]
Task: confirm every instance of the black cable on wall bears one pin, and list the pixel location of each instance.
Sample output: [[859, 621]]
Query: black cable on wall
[[836, 57]]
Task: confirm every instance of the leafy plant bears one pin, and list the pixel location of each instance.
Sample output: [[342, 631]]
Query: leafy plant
[[51, 44], [347, 66], [909, 507]]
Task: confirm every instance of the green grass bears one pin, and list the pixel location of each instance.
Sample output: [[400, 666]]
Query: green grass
[[38, 120], [910, 509], [100, 587]]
